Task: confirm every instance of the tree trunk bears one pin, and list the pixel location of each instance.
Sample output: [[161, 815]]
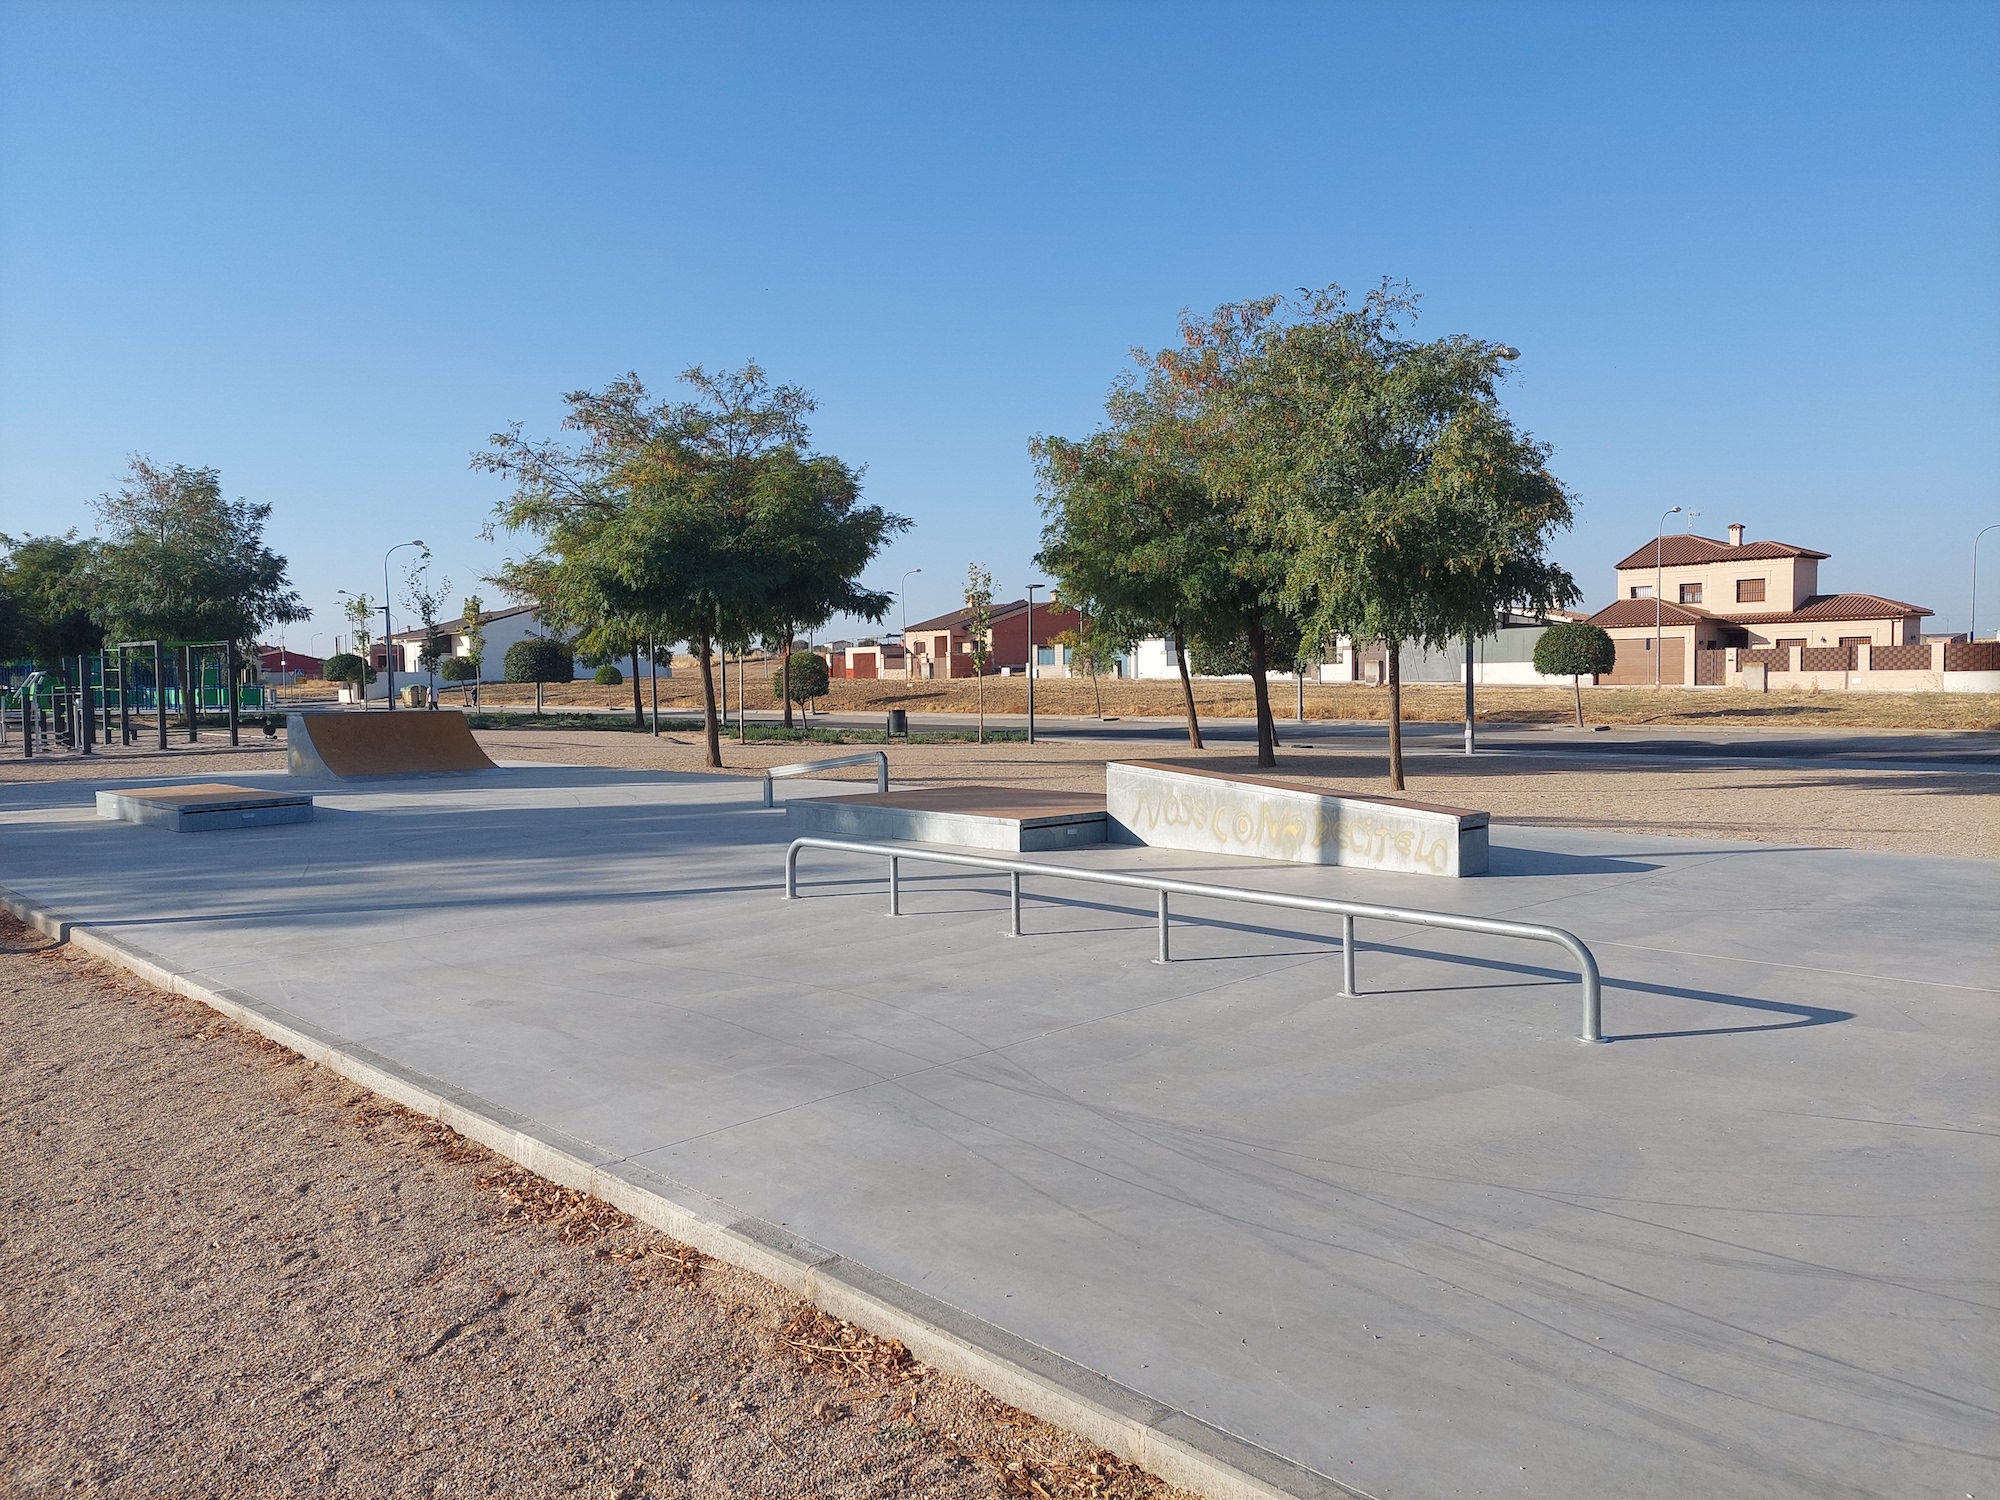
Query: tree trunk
[[538, 697], [705, 650], [1267, 729], [1395, 649], [980, 679], [785, 672], [188, 692], [1577, 682], [638, 703], [1187, 688], [1097, 686]]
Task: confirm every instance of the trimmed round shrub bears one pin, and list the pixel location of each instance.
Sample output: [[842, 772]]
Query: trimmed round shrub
[[809, 679], [345, 666], [608, 676], [459, 669], [539, 660], [1575, 648]]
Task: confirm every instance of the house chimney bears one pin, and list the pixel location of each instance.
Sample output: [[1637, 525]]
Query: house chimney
[[1735, 533]]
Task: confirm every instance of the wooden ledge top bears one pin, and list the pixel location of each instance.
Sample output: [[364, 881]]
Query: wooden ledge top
[[207, 794], [981, 801]]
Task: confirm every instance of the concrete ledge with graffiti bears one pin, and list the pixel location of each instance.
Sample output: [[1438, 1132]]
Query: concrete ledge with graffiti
[[1178, 807]]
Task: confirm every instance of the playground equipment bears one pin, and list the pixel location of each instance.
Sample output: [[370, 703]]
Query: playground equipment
[[336, 744], [95, 697]]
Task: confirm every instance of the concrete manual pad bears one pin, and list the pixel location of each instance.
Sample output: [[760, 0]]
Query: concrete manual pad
[[1016, 819], [206, 807], [1422, 1241]]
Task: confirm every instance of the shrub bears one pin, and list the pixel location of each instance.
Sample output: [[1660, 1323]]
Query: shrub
[[608, 676], [459, 669], [345, 666], [808, 672], [539, 660], [1574, 649]]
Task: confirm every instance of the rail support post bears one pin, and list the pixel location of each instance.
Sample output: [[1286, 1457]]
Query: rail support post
[[1014, 903], [1348, 989], [1166, 957], [895, 886]]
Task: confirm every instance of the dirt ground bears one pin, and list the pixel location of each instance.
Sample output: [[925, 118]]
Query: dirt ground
[[229, 1273], [1910, 812], [1433, 704]]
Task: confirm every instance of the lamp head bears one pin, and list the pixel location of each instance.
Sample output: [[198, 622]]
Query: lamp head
[[1507, 351]]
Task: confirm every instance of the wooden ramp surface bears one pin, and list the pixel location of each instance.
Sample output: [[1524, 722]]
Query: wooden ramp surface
[[382, 742]]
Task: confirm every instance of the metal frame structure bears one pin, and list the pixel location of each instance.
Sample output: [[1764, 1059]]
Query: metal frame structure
[[1347, 911], [807, 767]]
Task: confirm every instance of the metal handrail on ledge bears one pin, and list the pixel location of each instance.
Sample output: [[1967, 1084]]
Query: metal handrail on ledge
[[807, 767], [1347, 911]]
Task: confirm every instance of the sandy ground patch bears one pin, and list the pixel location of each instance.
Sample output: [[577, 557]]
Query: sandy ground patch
[[1928, 812], [228, 1272], [1910, 812]]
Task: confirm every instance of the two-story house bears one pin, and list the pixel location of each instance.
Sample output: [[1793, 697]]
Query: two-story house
[[1752, 596]]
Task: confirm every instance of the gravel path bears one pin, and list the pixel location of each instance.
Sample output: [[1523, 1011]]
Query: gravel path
[[228, 1272]]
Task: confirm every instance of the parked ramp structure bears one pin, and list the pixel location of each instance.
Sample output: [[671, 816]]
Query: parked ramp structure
[[415, 742]]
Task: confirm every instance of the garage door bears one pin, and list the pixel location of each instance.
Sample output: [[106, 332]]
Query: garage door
[[1635, 663]]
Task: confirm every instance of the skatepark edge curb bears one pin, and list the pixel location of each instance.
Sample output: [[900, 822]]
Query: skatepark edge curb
[[1176, 1446]]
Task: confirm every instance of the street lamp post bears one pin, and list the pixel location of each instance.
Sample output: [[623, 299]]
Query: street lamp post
[[1659, 571], [1031, 660], [1972, 618], [903, 603], [388, 628]]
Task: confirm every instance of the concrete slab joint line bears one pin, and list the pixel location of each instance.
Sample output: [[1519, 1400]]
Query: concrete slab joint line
[[1178, 1447]]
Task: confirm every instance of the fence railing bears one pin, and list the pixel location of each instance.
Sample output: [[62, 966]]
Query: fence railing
[[807, 767], [1348, 911]]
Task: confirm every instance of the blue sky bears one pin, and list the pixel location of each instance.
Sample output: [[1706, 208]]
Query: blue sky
[[1751, 253]]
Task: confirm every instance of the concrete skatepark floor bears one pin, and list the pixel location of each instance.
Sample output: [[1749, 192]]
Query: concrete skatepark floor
[[1422, 1242]]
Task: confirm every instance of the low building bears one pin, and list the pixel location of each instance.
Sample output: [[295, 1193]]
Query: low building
[[942, 647], [1723, 606], [867, 659], [280, 667], [501, 628]]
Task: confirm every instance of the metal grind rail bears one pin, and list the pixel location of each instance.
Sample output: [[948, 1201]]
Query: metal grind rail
[[1347, 911], [879, 758]]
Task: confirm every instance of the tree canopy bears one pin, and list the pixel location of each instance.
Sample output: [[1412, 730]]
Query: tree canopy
[[703, 520], [183, 563], [46, 599]]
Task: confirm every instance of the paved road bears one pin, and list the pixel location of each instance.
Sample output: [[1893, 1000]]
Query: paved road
[[1422, 1242]]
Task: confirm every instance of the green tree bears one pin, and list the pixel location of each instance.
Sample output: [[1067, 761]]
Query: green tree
[[1405, 504], [345, 666], [425, 597], [184, 564], [602, 643], [1574, 649], [47, 599], [1127, 540], [462, 670], [686, 516], [539, 660], [802, 678], [1092, 646], [473, 612], [360, 612], [979, 626]]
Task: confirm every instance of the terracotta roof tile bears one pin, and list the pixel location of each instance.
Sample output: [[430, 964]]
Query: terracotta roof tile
[[1684, 549], [1825, 607], [1625, 612]]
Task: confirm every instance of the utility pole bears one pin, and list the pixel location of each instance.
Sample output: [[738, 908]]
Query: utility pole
[[1031, 660]]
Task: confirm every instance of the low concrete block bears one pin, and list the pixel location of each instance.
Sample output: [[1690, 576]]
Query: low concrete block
[[972, 817], [1177, 807], [208, 807]]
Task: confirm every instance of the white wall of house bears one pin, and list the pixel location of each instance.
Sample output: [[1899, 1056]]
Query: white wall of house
[[504, 632]]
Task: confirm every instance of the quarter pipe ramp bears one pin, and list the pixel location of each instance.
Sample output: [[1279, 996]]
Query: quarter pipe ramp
[[409, 742]]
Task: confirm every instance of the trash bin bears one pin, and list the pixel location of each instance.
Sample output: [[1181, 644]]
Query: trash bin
[[899, 722]]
